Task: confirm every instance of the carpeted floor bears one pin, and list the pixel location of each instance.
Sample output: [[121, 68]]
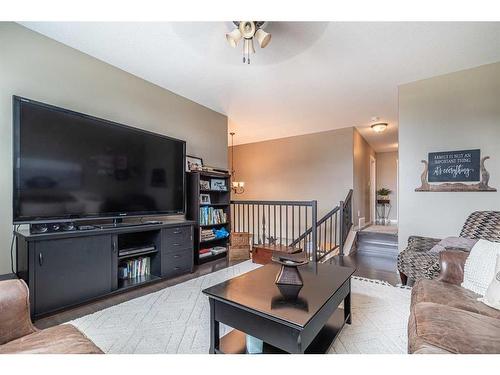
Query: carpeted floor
[[176, 319]]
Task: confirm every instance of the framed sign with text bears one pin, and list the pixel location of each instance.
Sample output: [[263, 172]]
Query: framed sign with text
[[454, 166], [455, 171]]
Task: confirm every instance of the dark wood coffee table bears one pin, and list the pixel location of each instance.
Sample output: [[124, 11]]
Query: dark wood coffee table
[[287, 322]]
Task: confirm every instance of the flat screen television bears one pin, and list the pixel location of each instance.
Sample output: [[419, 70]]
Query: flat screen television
[[71, 166]]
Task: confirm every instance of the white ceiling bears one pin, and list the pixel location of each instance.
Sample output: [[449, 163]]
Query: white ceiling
[[313, 76]]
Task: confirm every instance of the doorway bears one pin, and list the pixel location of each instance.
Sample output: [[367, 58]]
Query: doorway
[[373, 190]]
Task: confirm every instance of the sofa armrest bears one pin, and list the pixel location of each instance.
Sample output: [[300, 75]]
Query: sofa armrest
[[15, 321], [452, 266]]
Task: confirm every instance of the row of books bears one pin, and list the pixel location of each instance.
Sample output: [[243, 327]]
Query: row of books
[[132, 268], [203, 253], [207, 235], [210, 215]]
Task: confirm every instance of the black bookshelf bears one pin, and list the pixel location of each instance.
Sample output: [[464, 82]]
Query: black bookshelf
[[219, 199]]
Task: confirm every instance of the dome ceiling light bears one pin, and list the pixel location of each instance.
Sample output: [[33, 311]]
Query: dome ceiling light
[[379, 127], [248, 31]]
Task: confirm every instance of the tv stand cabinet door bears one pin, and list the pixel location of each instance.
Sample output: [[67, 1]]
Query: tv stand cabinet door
[[72, 270]]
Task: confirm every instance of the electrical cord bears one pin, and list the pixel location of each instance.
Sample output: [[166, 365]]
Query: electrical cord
[[12, 249]]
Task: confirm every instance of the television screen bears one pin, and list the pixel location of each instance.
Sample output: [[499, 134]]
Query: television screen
[[68, 166]]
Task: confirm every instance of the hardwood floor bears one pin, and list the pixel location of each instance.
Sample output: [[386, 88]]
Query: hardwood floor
[[366, 266], [371, 266]]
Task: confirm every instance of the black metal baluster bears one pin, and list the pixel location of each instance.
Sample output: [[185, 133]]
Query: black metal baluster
[[274, 235], [258, 223], [326, 247], [306, 239], [331, 221], [268, 221], [243, 217], [336, 228], [286, 224], [248, 218], [281, 222], [300, 230], [253, 223]]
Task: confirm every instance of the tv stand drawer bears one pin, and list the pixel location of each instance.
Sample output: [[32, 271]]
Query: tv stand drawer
[[177, 263], [177, 238]]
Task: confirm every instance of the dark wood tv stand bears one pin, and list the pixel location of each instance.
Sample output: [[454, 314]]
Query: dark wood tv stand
[[64, 269]]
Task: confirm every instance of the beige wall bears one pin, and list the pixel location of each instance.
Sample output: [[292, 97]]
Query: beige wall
[[39, 68], [309, 167], [387, 177], [361, 179], [451, 112]]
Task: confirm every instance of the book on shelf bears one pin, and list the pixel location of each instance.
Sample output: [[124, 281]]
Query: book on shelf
[[203, 253], [207, 235], [218, 249], [133, 268], [210, 216]]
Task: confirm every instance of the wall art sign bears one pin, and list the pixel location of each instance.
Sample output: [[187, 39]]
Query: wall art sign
[[450, 167], [454, 166]]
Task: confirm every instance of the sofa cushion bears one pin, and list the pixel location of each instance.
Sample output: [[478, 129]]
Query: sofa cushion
[[450, 295], [479, 267], [454, 330], [63, 339], [492, 296]]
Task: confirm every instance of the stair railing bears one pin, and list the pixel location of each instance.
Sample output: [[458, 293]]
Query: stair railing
[[278, 222], [345, 220], [294, 223]]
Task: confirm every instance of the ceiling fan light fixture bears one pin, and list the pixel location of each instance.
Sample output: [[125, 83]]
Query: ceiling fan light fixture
[[234, 37], [379, 127], [263, 38], [248, 31]]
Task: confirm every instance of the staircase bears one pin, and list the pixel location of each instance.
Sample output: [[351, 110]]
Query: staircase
[[294, 223], [377, 244]]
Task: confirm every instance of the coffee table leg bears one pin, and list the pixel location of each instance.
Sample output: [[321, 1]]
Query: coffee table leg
[[347, 308], [214, 328]]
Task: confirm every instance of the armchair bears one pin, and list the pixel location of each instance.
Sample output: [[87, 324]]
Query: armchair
[[416, 262]]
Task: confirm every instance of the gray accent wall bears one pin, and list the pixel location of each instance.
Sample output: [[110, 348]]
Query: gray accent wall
[[451, 112], [34, 66]]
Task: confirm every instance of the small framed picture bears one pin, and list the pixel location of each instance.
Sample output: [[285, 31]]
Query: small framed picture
[[205, 198], [204, 185], [218, 184], [193, 163]]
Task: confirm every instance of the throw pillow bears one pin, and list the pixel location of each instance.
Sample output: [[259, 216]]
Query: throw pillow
[[480, 265], [492, 296], [457, 243]]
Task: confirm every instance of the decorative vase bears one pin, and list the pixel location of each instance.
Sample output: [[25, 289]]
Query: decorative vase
[[288, 273]]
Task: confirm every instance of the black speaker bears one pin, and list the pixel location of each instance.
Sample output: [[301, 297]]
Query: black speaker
[[68, 226], [38, 228]]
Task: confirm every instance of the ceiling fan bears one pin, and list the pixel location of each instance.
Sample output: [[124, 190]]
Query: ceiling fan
[[248, 30]]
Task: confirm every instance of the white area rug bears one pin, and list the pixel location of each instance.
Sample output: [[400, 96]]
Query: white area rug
[[176, 319]]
